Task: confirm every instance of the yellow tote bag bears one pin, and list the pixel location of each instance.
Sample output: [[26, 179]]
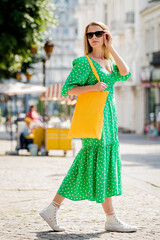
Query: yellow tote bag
[[87, 121]]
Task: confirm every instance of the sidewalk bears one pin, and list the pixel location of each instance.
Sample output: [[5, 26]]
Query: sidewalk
[[28, 184], [7, 142]]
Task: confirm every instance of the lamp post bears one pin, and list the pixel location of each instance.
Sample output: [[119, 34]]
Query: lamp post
[[48, 47], [28, 76]]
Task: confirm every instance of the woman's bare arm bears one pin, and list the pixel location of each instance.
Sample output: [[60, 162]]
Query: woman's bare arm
[[99, 86], [122, 66], [80, 89]]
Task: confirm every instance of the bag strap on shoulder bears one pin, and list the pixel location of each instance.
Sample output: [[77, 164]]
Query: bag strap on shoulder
[[93, 68]]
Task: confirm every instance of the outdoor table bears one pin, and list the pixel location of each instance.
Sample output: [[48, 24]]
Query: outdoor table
[[52, 139]]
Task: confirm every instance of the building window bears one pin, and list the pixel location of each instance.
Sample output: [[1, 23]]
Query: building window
[[130, 17], [65, 31]]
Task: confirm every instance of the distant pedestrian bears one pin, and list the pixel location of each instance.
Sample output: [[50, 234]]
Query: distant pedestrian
[[154, 132], [148, 130], [95, 173]]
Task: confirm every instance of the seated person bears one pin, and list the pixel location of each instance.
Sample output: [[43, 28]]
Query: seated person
[[27, 132], [33, 114]]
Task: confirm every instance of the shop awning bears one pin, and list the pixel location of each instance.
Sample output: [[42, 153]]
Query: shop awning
[[53, 93]]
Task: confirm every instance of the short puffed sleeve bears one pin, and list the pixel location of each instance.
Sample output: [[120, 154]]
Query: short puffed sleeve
[[117, 75], [78, 75]]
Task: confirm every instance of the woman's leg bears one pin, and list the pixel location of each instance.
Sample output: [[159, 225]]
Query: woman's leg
[[58, 199], [49, 214], [107, 206], [113, 223]]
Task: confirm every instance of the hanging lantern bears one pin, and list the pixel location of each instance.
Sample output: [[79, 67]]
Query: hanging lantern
[[28, 75], [18, 76], [48, 47]]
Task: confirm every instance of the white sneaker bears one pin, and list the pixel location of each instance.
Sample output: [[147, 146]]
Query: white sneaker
[[49, 214], [113, 223]]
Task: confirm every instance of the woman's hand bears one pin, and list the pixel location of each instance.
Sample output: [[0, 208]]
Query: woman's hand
[[100, 86], [122, 66], [108, 41]]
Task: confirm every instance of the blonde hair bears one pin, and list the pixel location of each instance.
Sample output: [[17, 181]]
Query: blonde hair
[[87, 46]]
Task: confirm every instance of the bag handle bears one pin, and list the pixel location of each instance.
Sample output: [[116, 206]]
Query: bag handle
[[93, 68]]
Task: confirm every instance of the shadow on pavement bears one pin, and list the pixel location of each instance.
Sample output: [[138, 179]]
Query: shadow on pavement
[[59, 236]]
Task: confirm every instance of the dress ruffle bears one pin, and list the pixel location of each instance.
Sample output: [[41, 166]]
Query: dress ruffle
[[92, 174]]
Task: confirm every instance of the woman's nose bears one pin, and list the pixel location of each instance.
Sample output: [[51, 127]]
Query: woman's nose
[[94, 36]]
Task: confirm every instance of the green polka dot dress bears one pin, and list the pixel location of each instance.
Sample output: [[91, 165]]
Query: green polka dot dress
[[96, 170]]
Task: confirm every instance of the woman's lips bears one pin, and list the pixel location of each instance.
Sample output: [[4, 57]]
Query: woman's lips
[[95, 42]]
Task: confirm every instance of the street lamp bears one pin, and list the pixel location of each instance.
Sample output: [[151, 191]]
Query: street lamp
[[18, 76], [28, 76], [48, 47]]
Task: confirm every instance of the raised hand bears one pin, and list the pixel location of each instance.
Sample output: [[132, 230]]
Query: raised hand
[[108, 40]]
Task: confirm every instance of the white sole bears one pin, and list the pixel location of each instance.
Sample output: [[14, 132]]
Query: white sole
[[45, 218], [109, 228]]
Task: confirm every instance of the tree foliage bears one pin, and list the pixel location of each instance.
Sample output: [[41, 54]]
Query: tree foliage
[[22, 23]]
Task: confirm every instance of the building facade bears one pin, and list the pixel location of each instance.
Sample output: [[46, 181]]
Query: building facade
[[135, 27], [63, 36], [150, 72], [126, 21]]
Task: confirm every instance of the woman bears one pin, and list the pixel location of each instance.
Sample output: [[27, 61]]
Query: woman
[[33, 113], [95, 173]]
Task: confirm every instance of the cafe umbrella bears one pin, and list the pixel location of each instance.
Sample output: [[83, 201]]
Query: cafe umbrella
[[15, 88]]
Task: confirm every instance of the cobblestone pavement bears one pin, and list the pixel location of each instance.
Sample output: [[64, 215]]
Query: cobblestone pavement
[[28, 184]]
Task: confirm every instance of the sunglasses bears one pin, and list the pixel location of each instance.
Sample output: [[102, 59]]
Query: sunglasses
[[97, 34]]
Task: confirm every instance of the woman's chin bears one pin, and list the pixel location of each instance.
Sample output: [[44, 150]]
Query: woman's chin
[[95, 45]]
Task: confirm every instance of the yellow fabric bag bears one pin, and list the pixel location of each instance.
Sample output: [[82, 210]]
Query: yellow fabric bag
[[87, 121]]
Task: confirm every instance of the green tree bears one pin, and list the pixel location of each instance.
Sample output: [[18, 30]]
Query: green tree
[[22, 23]]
